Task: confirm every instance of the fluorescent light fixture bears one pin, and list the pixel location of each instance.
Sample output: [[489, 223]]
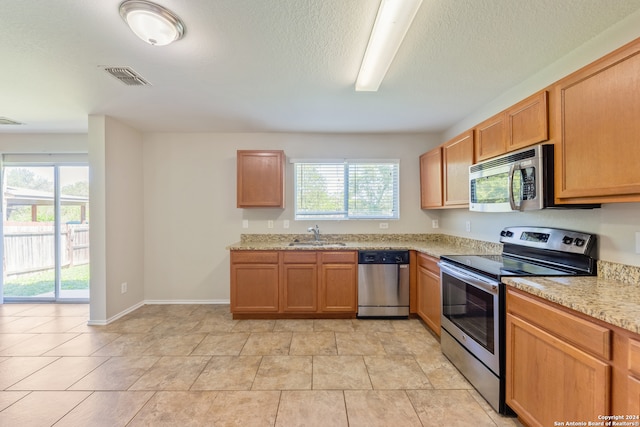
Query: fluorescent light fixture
[[151, 22], [392, 23]]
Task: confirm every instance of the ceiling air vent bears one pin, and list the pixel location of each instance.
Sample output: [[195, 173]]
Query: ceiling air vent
[[6, 121], [127, 76]]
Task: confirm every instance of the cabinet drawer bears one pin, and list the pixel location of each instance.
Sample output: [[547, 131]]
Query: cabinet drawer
[[257, 257], [339, 257], [584, 334], [302, 257], [429, 262], [634, 357]]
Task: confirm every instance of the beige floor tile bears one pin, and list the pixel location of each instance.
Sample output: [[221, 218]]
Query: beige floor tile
[[333, 325], [254, 326], [106, 409], [396, 373], [184, 326], [313, 344], [408, 343], [117, 373], [267, 344], [441, 373], [16, 309], [83, 344], [448, 407], [293, 325], [127, 345], [57, 310], [176, 408], [8, 340], [174, 345], [498, 419], [134, 325], [358, 343], [172, 373], [228, 373], [215, 325], [372, 408], [373, 325], [60, 374], [409, 325], [8, 398], [221, 344], [37, 345], [41, 408], [244, 408], [340, 373], [59, 324], [312, 408], [23, 324], [16, 369], [284, 373]]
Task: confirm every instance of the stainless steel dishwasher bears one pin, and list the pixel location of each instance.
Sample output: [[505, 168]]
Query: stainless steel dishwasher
[[383, 283]]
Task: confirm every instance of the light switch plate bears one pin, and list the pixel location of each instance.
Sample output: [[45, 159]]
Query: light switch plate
[[285, 223], [638, 242], [245, 223]]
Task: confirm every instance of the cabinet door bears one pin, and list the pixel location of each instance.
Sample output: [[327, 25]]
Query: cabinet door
[[429, 299], [431, 179], [528, 122], [633, 396], [491, 137], [300, 288], [338, 288], [597, 114], [260, 179], [457, 156], [254, 288], [549, 380]]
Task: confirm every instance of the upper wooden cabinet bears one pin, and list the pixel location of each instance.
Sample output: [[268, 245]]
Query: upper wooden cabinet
[[596, 125], [457, 156], [260, 179], [524, 124], [431, 179]]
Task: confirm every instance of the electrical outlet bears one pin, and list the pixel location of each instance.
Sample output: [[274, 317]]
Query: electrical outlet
[[638, 242], [434, 223], [384, 225], [285, 223], [123, 288], [270, 223], [245, 223], [467, 226]]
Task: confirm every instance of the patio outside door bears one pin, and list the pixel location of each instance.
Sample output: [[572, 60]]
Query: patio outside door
[[45, 232]]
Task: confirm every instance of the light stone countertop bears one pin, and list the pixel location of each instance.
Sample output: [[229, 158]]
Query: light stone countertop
[[611, 301], [613, 296]]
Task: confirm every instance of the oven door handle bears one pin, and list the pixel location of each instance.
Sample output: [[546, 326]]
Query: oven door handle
[[481, 283]]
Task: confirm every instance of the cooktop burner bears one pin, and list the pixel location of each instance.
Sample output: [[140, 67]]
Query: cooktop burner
[[500, 266]]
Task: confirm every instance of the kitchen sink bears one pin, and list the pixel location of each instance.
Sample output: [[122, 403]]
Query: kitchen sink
[[317, 243]]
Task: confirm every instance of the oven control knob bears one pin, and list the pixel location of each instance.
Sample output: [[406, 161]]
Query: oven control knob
[[579, 242], [567, 240]]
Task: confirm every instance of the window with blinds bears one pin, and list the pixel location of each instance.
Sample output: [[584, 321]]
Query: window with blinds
[[350, 189]]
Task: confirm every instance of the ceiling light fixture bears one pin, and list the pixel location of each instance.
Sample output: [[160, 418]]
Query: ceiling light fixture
[[392, 23], [151, 22]]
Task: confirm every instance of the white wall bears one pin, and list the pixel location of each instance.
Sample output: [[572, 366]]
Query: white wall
[[616, 224], [117, 222], [190, 202]]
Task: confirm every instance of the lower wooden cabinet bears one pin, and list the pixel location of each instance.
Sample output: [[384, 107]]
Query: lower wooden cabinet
[[566, 366], [428, 291], [294, 283]]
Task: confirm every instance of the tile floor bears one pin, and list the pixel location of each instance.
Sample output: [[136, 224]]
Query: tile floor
[[194, 365]]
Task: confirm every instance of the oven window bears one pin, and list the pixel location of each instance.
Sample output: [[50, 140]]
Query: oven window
[[470, 309]]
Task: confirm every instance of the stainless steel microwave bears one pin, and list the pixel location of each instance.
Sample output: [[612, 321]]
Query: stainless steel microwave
[[518, 181]]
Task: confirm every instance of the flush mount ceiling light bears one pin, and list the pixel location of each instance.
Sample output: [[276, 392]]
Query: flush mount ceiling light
[[392, 23], [151, 22]]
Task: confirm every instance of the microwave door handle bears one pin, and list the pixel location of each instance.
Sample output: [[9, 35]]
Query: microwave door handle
[[512, 171], [512, 202]]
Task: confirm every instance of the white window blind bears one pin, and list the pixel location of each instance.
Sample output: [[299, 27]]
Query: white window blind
[[349, 189]]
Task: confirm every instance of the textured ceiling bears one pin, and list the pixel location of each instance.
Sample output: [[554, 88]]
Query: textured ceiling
[[279, 65]]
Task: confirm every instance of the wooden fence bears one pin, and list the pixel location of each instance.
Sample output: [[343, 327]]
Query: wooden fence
[[31, 247]]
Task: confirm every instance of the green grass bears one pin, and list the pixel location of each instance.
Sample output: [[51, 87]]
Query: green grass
[[28, 285]]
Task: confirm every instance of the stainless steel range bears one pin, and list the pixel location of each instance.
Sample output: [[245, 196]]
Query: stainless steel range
[[473, 297]]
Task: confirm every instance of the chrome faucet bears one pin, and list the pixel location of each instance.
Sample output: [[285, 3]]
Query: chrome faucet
[[316, 232]]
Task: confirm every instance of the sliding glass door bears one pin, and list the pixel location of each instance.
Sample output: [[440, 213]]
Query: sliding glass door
[[45, 232]]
